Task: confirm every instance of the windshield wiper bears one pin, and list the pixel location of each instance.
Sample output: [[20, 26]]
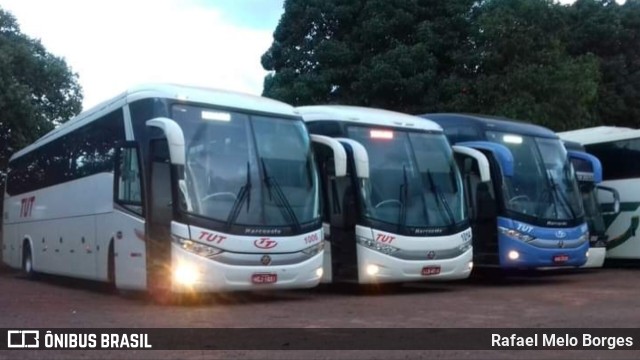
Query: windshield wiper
[[281, 198], [440, 196], [403, 197], [243, 193], [563, 199]]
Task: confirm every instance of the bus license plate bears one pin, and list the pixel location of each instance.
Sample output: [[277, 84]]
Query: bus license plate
[[559, 259], [263, 278], [430, 270]]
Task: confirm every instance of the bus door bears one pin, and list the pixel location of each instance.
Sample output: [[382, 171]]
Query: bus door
[[481, 204], [331, 161], [588, 170], [484, 195], [126, 262], [349, 212]]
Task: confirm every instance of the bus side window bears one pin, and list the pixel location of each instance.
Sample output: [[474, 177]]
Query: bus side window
[[129, 191]]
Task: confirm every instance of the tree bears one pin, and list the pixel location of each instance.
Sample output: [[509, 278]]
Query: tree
[[499, 57], [385, 53], [37, 90], [612, 33], [523, 69]]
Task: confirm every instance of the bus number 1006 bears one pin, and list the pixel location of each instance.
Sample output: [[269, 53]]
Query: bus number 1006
[[310, 239]]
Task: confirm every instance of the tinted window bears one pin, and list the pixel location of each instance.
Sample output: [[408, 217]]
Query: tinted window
[[620, 159], [457, 134], [85, 151]]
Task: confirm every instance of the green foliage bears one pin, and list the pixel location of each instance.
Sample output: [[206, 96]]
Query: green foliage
[[612, 33], [562, 66], [37, 89], [524, 70], [385, 53]]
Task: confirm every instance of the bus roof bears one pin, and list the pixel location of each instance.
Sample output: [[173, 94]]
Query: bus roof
[[600, 134], [216, 97], [490, 123], [364, 115], [573, 145]]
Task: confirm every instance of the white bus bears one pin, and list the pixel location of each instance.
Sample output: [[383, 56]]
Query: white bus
[[618, 149], [400, 214], [172, 189]]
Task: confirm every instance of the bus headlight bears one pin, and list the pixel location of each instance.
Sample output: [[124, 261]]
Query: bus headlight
[[584, 237], [197, 248], [516, 234], [314, 249], [513, 255], [372, 269], [377, 246], [185, 274]]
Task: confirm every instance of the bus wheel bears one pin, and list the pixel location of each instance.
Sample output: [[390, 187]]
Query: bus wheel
[[27, 261]]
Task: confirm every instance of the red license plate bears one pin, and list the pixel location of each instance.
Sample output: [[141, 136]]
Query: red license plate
[[430, 270], [559, 259], [264, 278]]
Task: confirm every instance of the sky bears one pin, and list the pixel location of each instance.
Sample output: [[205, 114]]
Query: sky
[[116, 44]]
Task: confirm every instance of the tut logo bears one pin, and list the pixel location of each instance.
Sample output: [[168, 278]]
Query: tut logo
[[561, 234], [20, 339]]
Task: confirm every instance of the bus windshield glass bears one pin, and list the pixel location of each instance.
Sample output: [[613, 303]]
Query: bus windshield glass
[[247, 170], [414, 181], [543, 184]]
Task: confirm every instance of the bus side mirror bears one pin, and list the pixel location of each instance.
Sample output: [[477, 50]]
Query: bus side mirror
[[339, 154], [608, 209], [481, 160], [360, 157], [175, 138]]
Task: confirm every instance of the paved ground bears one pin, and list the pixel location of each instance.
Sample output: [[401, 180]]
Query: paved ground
[[602, 298]]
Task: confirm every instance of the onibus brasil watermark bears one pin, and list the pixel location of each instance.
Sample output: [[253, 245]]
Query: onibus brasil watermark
[[37, 339]]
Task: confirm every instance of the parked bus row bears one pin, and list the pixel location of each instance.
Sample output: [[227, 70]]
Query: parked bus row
[[178, 189]]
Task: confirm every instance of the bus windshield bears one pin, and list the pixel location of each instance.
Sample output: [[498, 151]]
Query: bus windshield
[[413, 178], [247, 170], [543, 184]]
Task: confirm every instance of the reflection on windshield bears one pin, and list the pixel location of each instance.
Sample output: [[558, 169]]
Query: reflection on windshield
[[413, 178], [543, 184], [228, 157]]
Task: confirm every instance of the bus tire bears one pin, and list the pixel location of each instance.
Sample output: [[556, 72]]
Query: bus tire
[[27, 261]]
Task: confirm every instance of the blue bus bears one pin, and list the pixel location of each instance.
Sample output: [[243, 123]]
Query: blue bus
[[530, 213]]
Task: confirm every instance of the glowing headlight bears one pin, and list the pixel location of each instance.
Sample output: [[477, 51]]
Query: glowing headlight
[[513, 255], [314, 249], [185, 274], [373, 269], [516, 234], [197, 248], [378, 246]]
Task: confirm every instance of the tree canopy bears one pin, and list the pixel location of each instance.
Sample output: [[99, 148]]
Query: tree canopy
[[37, 89], [557, 65]]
